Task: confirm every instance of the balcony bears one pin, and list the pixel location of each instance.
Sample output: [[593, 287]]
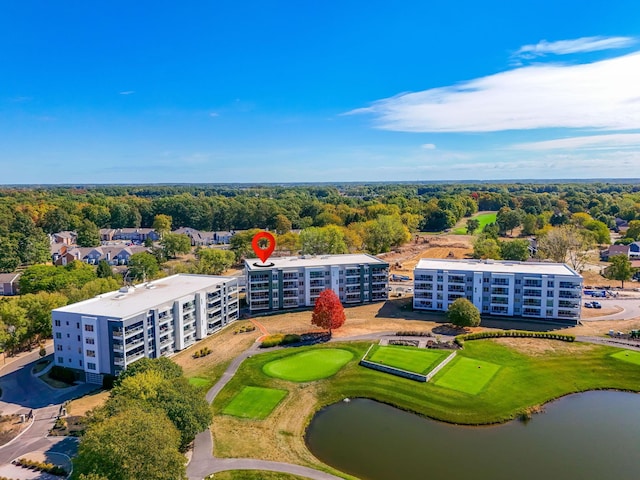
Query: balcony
[[118, 361], [500, 291], [532, 293], [456, 279], [117, 334], [136, 343], [135, 357], [132, 332], [118, 347]]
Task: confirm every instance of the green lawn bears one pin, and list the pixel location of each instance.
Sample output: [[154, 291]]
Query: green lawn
[[412, 359], [630, 356], [467, 375], [309, 365], [484, 219], [200, 382], [254, 402]]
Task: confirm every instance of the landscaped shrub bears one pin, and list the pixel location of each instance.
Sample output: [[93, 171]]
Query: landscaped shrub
[[412, 333], [460, 339], [245, 329], [41, 466], [203, 352], [280, 339], [107, 381], [62, 374]]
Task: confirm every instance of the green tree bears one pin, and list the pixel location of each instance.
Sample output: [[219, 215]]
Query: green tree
[[52, 278], [485, 247], [463, 313], [9, 259], [93, 288], [104, 270], [323, 240], [162, 224], [88, 234], [167, 368], [240, 244], [508, 219], [55, 220], [383, 233], [213, 261], [600, 231], [515, 250], [619, 269], [472, 225], [283, 224], [633, 230], [33, 247], [143, 266], [134, 444], [174, 244], [38, 308], [529, 224]]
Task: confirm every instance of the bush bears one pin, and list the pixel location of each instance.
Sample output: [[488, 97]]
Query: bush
[[280, 339], [41, 466], [245, 329], [412, 333], [203, 352], [460, 339], [62, 374], [107, 381]]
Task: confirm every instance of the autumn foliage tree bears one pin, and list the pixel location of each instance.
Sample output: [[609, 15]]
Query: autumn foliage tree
[[328, 312]]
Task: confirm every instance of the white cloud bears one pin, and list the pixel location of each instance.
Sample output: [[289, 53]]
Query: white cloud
[[578, 45], [128, 92], [592, 142], [428, 146], [599, 95], [214, 114]]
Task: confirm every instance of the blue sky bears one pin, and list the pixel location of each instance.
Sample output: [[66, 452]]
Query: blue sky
[[302, 91]]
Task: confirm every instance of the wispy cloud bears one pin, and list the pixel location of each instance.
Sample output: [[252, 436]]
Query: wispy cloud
[[428, 146], [214, 114], [598, 95], [128, 92], [592, 142], [578, 45]]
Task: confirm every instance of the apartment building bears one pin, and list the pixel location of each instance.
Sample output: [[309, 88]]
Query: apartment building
[[104, 334], [293, 282], [548, 291]]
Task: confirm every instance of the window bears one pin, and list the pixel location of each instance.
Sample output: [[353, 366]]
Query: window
[[79, 338], [550, 283], [80, 362], [67, 324], [59, 348], [518, 281], [57, 323], [91, 353], [60, 359], [91, 366], [88, 328], [58, 335], [89, 341], [78, 325], [80, 350], [549, 293]]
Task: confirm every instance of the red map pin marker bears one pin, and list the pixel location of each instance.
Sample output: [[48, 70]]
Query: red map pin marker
[[263, 253]]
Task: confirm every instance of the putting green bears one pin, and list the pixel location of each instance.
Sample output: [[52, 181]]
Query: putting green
[[412, 359], [254, 402], [630, 356], [483, 218], [467, 375], [309, 365]]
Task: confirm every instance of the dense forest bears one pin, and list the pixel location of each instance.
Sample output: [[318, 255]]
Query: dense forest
[[567, 219]]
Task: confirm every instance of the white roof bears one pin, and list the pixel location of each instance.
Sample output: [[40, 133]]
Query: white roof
[[143, 297], [313, 261], [497, 266]]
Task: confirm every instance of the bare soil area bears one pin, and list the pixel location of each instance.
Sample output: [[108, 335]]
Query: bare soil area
[[10, 427], [602, 327], [588, 313], [536, 347]]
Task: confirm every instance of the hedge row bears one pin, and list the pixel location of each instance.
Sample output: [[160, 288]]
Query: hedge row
[[460, 339], [62, 374], [413, 333], [41, 466], [279, 339]]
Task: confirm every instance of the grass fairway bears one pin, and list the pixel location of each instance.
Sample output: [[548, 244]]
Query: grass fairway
[[412, 359], [484, 219], [630, 356], [200, 382], [253, 475], [309, 365], [467, 375], [254, 402]]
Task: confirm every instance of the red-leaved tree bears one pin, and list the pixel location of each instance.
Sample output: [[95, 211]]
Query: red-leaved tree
[[328, 312]]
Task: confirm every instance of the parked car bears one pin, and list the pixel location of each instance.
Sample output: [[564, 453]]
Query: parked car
[[596, 305], [588, 304]]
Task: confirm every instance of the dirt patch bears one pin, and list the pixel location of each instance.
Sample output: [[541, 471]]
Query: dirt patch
[[537, 347], [404, 259], [224, 345], [82, 405], [71, 426], [10, 427], [602, 327], [599, 312]]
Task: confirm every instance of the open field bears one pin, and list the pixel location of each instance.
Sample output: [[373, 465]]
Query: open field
[[485, 218], [309, 365], [525, 379], [412, 359], [80, 406], [467, 375], [254, 402]]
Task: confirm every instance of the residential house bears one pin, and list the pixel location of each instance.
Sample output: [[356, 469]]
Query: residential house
[[113, 255], [614, 250], [138, 235], [9, 283], [64, 238], [202, 239]]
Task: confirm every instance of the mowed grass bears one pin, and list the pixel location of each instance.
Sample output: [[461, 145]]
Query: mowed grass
[[630, 356], [412, 359], [484, 219], [253, 475], [467, 375], [309, 365], [254, 402], [200, 382]]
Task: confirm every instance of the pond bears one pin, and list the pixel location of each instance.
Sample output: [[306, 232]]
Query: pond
[[592, 435]]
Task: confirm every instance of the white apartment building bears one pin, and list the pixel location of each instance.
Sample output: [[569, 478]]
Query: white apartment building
[[549, 291], [104, 334], [293, 282]]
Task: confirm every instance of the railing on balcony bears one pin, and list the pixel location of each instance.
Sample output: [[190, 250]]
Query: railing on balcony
[[532, 293]]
